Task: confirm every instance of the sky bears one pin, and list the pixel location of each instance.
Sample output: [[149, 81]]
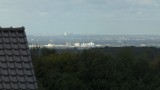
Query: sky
[[104, 17]]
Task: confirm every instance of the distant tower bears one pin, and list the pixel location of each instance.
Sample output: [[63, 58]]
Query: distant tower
[[65, 34]]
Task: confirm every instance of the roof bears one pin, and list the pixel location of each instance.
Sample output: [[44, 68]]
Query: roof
[[16, 68]]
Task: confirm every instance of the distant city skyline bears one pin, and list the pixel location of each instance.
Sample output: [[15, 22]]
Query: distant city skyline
[[105, 17]]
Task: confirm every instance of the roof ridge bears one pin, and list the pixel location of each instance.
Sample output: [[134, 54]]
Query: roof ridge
[[11, 28]]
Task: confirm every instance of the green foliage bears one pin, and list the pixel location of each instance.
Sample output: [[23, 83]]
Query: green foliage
[[127, 68]]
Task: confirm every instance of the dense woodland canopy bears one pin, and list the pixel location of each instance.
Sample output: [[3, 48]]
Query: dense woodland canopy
[[109, 68]]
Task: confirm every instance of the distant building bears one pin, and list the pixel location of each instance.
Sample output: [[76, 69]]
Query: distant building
[[34, 46], [68, 44], [67, 34], [91, 44], [49, 45], [143, 45], [77, 44]]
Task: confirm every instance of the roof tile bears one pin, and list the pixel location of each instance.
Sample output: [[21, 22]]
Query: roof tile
[[6, 78], [15, 86], [20, 72], [5, 33], [17, 58], [1, 46], [4, 71], [10, 58], [23, 86], [1, 86], [15, 46], [8, 46], [3, 65], [22, 40], [13, 33], [22, 78], [13, 71], [7, 85], [9, 52], [11, 65], [1, 41], [14, 40], [6, 40], [2, 57], [2, 52], [16, 69]]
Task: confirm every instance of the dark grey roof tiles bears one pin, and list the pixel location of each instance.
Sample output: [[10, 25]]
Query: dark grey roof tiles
[[16, 69]]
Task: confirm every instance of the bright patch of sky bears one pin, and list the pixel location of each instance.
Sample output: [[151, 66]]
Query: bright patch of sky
[[138, 17]]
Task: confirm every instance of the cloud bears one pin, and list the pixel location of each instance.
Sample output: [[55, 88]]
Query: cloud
[[43, 13], [139, 13], [78, 1], [142, 2], [4, 10], [130, 2]]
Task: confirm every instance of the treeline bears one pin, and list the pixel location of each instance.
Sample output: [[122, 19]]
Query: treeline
[[123, 68]]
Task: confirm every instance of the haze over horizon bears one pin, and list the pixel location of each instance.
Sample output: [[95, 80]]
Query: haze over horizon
[[106, 17]]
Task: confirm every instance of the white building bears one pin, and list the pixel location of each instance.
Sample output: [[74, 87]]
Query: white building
[[34, 46], [91, 44], [77, 44], [49, 45]]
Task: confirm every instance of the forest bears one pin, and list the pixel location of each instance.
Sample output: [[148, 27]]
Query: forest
[[108, 68]]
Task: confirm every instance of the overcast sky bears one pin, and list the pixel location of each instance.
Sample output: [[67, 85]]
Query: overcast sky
[[110, 17]]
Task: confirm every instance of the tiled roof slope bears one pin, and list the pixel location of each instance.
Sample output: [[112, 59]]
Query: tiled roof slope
[[16, 69]]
